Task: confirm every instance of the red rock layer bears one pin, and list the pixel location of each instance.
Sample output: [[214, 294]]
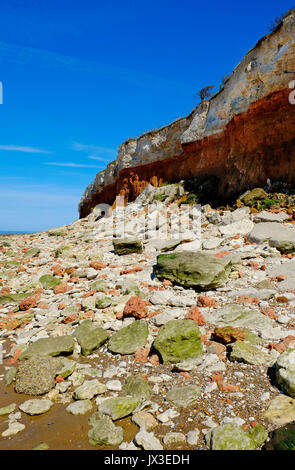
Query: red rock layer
[[255, 145]]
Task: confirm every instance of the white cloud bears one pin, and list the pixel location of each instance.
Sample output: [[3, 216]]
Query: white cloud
[[70, 165], [18, 148], [93, 148], [100, 159]]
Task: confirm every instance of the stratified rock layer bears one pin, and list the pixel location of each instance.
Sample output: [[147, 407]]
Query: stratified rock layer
[[241, 137]]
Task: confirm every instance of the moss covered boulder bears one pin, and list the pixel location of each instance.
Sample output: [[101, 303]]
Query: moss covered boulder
[[130, 338], [183, 397], [14, 298], [282, 439], [178, 340], [105, 432], [31, 252], [285, 371], [126, 246], [50, 347], [118, 407], [63, 251], [49, 282], [90, 337], [194, 269], [137, 387], [257, 194], [245, 352], [99, 286], [231, 436]]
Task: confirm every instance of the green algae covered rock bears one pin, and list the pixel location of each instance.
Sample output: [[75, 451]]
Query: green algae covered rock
[[67, 367], [118, 407], [41, 446], [130, 338], [10, 375], [63, 251], [99, 286], [257, 194], [49, 282], [14, 298], [231, 436], [50, 347], [90, 337], [183, 397], [11, 264], [282, 439], [137, 387], [285, 371], [178, 340], [31, 252], [103, 302], [194, 269], [126, 246], [242, 351], [240, 317], [6, 410], [105, 432]]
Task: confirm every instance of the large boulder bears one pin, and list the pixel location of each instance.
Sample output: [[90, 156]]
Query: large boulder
[[90, 337], [49, 282], [281, 410], [137, 387], [126, 246], [118, 407], [231, 436], [36, 376], [285, 371], [245, 352], [36, 406], [178, 340], [183, 397], [89, 389], [239, 317], [129, 338], [282, 439], [50, 347], [193, 269], [104, 432], [256, 194], [277, 235]]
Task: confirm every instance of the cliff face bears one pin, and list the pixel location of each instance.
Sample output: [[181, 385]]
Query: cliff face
[[242, 136]]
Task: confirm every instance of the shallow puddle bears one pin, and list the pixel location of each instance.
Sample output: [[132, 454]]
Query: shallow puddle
[[57, 428]]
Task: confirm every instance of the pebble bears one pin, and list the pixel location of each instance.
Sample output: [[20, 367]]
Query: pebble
[[13, 428]]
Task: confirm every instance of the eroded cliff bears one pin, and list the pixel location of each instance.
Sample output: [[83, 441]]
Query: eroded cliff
[[242, 136]]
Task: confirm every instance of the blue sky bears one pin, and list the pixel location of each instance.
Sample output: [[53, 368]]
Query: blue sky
[[80, 77]]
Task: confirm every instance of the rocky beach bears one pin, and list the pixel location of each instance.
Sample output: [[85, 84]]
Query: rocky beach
[[164, 317], [151, 343]]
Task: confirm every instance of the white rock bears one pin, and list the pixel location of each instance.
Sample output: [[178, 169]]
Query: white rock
[[128, 446], [210, 387], [265, 396], [235, 420], [193, 437], [13, 429], [114, 385], [148, 441], [79, 407], [89, 389], [36, 406]]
